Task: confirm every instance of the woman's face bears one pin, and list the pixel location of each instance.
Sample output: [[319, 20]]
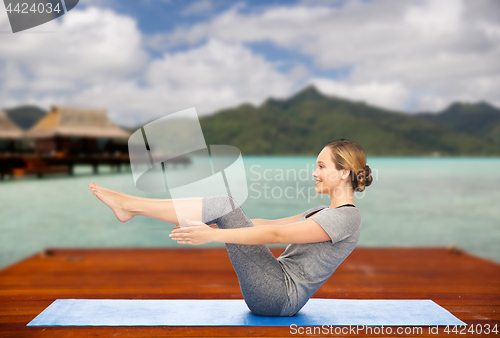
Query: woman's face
[[328, 178]]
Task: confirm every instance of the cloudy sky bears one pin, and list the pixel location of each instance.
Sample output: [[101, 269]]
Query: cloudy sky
[[144, 59]]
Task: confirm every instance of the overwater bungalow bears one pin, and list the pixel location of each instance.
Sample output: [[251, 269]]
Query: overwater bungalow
[[65, 137], [77, 131], [11, 136]]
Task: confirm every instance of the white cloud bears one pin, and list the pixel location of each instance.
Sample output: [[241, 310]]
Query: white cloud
[[91, 46], [213, 76], [379, 94], [198, 7], [96, 58], [423, 46], [217, 64]]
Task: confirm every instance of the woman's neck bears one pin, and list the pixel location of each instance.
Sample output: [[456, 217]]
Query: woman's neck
[[346, 197]]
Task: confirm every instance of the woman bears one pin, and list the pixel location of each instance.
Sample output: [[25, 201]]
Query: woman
[[321, 237]]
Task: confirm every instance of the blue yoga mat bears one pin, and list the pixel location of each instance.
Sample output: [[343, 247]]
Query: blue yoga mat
[[234, 312]]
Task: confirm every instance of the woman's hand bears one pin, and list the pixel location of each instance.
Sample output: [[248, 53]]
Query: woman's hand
[[197, 234]]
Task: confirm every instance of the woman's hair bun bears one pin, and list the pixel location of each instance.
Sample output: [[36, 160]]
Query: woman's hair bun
[[363, 179]]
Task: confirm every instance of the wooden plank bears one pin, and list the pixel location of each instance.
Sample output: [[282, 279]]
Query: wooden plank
[[467, 286]]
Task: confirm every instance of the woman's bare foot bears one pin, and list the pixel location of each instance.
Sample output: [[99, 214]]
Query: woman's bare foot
[[94, 186], [115, 200]]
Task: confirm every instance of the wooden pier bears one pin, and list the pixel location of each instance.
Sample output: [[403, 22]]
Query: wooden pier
[[40, 166], [32, 164], [465, 285]]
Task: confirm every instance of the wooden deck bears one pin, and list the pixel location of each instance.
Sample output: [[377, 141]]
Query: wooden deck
[[465, 285]]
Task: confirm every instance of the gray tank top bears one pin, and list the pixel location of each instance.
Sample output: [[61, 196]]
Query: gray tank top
[[307, 266]]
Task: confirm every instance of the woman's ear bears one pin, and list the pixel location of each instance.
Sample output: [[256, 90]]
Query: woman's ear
[[344, 174]]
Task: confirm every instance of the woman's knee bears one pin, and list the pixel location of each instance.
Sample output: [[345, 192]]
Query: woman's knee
[[230, 205], [233, 202], [216, 206]]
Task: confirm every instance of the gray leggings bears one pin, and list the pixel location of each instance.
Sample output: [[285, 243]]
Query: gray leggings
[[260, 275]]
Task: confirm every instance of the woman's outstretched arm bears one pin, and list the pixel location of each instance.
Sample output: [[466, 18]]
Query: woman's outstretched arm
[[307, 231], [201, 234]]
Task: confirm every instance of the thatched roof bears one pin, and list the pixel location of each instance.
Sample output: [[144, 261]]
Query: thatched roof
[[9, 129], [76, 122]]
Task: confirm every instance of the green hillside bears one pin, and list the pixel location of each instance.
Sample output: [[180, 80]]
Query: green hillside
[[303, 123], [481, 119]]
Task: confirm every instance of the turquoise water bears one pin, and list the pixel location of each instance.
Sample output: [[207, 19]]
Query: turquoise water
[[411, 202]]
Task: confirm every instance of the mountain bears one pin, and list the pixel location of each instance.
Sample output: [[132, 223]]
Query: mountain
[[304, 123], [25, 117], [480, 119]]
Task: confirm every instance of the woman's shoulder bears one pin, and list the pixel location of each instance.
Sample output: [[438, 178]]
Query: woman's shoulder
[[348, 212], [325, 210], [339, 223], [318, 207]]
